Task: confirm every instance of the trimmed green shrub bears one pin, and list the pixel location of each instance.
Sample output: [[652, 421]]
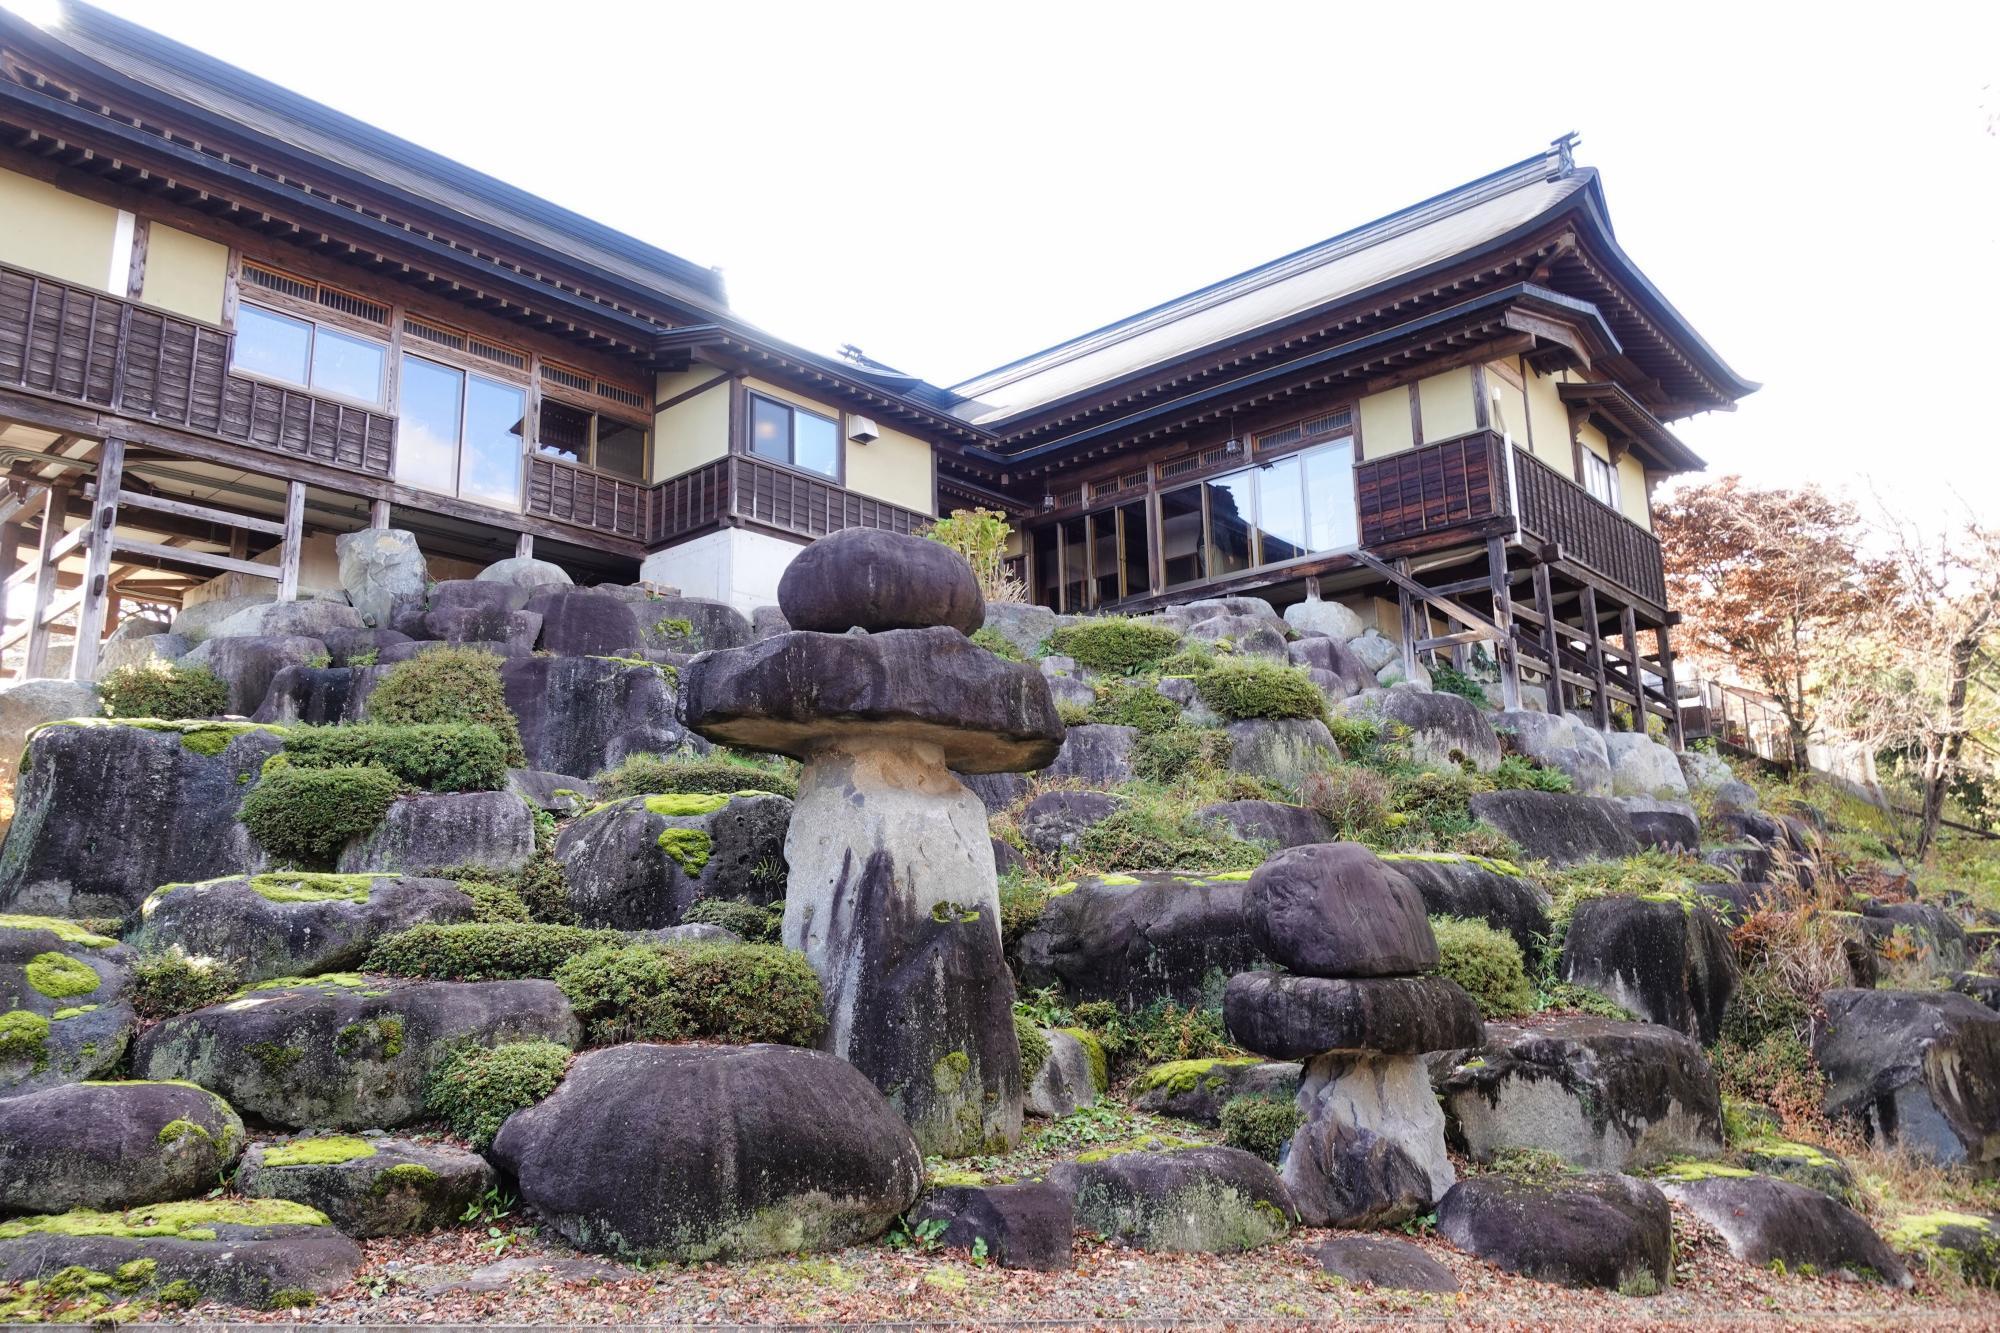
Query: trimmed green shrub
[[1135, 703], [448, 684], [1189, 661], [737, 993], [169, 691], [452, 756], [1179, 752], [1259, 1125], [993, 641], [1035, 1048], [753, 924], [1159, 831], [168, 984], [1118, 645], [484, 951], [1518, 773], [1485, 961], [1357, 737], [306, 815], [657, 775], [1254, 688], [473, 1089]]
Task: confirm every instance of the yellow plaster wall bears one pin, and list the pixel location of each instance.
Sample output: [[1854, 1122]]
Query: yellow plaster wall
[[1385, 423], [690, 433], [1632, 492], [1447, 404], [54, 232], [1507, 406], [896, 467], [1549, 420], [184, 273]]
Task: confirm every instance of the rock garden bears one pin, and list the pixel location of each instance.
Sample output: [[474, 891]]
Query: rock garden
[[500, 950]]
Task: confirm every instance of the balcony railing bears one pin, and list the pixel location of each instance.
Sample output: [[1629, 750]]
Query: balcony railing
[[70, 342], [571, 494], [753, 491], [1437, 490]]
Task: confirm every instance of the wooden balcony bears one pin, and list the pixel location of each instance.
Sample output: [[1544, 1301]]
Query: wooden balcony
[[1426, 498], [743, 489], [576, 495], [83, 346]]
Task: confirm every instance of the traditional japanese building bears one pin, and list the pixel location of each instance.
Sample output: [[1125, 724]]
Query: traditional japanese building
[[235, 323]]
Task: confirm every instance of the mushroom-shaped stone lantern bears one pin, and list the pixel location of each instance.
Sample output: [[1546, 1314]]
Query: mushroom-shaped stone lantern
[[892, 894]]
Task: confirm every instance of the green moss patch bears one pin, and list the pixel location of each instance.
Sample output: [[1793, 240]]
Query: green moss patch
[[681, 805], [1686, 1172], [313, 888], [199, 735], [24, 1039], [190, 1220], [1181, 1076], [74, 1011], [327, 1150], [175, 1130], [69, 932], [689, 848], [59, 976]]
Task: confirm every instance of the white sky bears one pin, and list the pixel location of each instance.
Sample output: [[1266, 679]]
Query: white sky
[[950, 186]]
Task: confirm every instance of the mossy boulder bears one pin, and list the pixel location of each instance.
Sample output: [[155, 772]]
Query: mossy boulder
[[64, 1011], [292, 924], [1559, 827], [113, 1145], [1134, 939], [1478, 889], [1915, 1068], [248, 662], [372, 1186], [1441, 730], [1667, 959], [345, 1051], [1950, 1240], [1766, 1221], [1607, 1231], [1197, 1090], [1025, 1225], [1800, 1163], [1189, 1200], [1072, 1076], [640, 863], [244, 1252], [491, 829], [585, 714], [695, 1153], [107, 810]]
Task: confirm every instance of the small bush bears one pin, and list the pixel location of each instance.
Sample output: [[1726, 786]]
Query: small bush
[[993, 641], [1021, 903], [448, 684], [306, 815], [473, 1089], [1179, 752], [535, 892], [1259, 1125], [1486, 962], [170, 691], [1519, 774], [1159, 831], [1165, 1031], [1435, 805], [1116, 645], [656, 775], [1135, 703], [1035, 1049], [485, 951], [1357, 737], [751, 923], [437, 757], [169, 984], [1353, 799], [1448, 679], [738, 993], [1260, 689], [1189, 661]]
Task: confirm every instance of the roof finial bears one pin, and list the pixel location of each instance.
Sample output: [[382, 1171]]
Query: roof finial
[[1565, 146]]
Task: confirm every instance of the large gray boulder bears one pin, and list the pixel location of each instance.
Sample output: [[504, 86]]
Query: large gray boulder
[[1026, 1225], [107, 811], [248, 663], [1280, 750], [195, 623], [1348, 674], [1190, 1200], [66, 1016], [1271, 822], [344, 1052], [1134, 939], [583, 622], [1606, 1231], [432, 830], [693, 1153], [1025, 626], [300, 618], [1558, 827], [586, 714], [1442, 730], [1260, 635], [1378, 1261], [1768, 1222], [1197, 1090], [369, 1187], [691, 624], [639, 863], [315, 696], [26, 704], [872, 580], [1097, 755], [1478, 889], [525, 574], [113, 1146], [1669, 961], [1667, 826], [467, 611], [291, 924], [1335, 909], [1641, 766], [1563, 742], [377, 566], [141, 650], [1371, 1150], [1071, 1078], [1332, 619], [1056, 821], [1294, 1018], [1915, 1068], [1596, 1093]]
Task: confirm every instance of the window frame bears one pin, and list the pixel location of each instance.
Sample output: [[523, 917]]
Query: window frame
[[530, 412], [589, 461], [1594, 465], [380, 403], [837, 477]]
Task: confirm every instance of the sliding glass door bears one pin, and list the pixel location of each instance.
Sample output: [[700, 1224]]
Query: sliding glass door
[[460, 433]]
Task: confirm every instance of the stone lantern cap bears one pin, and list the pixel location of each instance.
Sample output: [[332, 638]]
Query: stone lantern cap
[[1295, 1018], [803, 692], [864, 578]]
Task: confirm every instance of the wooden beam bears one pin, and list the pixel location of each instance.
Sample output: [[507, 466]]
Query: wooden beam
[[1628, 628], [1407, 615], [524, 546], [1402, 581], [1600, 701], [221, 517], [1551, 641], [1498, 583], [128, 546], [378, 513], [288, 553], [97, 569], [55, 502], [1674, 729]]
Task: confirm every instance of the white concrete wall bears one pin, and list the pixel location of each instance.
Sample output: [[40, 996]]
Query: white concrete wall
[[735, 566]]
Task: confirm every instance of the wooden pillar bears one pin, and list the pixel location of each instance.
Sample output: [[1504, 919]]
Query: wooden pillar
[[1503, 620], [97, 561], [1628, 628], [1674, 730], [288, 554], [1600, 707], [239, 543], [10, 556], [378, 514], [1407, 614], [1545, 605], [55, 505], [524, 546]]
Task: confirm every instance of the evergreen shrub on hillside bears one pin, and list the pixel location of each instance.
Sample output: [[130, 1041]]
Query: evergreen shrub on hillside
[[754, 924], [473, 1089], [453, 756], [1260, 1125], [1252, 688], [448, 684], [1486, 962], [304, 816], [1135, 703], [485, 951], [716, 774], [1116, 645], [165, 985], [170, 691], [736, 993]]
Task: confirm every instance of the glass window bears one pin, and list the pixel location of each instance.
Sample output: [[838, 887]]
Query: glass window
[[1600, 478], [1104, 555], [1048, 574], [1074, 564], [792, 435], [271, 344], [1181, 543], [1231, 513], [1281, 511], [348, 366], [1330, 497], [621, 449], [1132, 549], [429, 396], [564, 433], [494, 421]]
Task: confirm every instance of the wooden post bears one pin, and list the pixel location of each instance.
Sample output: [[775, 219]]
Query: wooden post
[[1674, 730], [288, 554], [1628, 627], [524, 546], [97, 563], [378, 514], [1551, 641], [55, 506], [1600, 706], [10, 555], [1406, 613], [239, 543], [1503, 619]]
